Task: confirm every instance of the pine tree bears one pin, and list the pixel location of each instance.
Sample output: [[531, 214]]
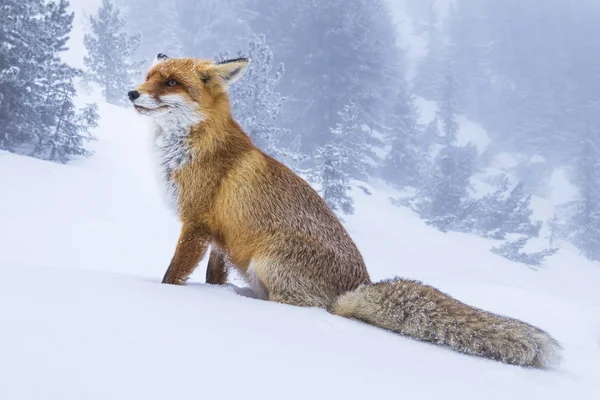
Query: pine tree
[[21, 53], [333, 180], [444, 201], [168, 36], [448, 112], [214, 26], [431, 133], [191, 28], [109, 49], [255, 101], [512, 250], [335, 52], [64, 129], [348, 156], [352, 136], [37, 114], [448, 203], [71, 130], [432, 68], [405, 162], [507, 210], [585, 221], [515, 70]]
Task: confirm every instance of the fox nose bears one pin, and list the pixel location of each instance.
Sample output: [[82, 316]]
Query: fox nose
[[133, 94]]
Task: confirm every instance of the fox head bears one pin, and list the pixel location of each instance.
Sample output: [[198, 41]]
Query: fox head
[[186, 90]]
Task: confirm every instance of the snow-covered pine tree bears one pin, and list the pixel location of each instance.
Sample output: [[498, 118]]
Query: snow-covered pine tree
[[533, 87], [189, 28], [291, 155], [214, 26], [432, 68], [506, 210], [349, 155], [168, 35], [255, 101], [159, 26], [431, 134], [584, 225], [448, 203], [467, 56], [37, 110], [334, 52], [21, 53], [352, 136], [448, 112], [71, 130], [444, 201], [63, 129], [518, 213], [515, 70], [512, 250], [334, 182], [405, 163], [109, 51]]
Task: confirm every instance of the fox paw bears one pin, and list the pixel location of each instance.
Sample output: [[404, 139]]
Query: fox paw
[[174, 281]]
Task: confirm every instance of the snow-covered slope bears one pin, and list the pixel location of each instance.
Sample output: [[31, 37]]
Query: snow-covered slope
[[84, 246]]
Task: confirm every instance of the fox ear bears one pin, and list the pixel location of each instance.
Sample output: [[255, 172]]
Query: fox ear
[[159, 58], [232, 70]]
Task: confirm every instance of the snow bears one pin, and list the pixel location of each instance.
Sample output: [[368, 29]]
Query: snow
[[83, 247], [561, 189], [504, 161]]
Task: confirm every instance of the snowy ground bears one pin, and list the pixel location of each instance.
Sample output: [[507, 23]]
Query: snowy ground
[[83, 248]]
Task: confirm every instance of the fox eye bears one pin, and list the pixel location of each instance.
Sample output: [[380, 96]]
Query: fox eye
[[171, 82]]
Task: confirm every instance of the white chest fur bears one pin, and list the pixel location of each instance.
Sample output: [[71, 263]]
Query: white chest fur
[[173, 127], [172, 152]]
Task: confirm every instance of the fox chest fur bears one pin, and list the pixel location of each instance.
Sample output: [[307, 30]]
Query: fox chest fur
[[191, 172], [172, 153]]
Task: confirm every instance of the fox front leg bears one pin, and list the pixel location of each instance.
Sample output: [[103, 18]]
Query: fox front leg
[[191, 248], [216, 271]]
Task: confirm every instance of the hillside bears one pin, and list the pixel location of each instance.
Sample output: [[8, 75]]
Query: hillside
[[83, 248]]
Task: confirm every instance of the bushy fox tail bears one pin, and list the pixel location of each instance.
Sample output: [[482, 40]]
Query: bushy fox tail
[[422, 312]]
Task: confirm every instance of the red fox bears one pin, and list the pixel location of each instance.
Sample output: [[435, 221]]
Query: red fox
[[269, 224]]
